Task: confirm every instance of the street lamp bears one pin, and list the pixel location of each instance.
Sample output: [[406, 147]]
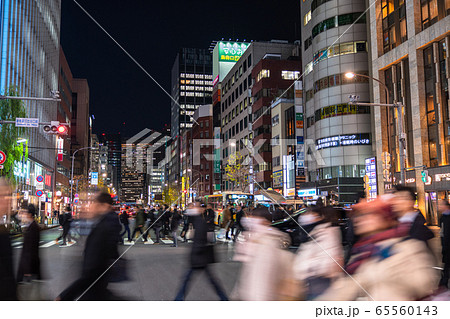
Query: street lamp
[[399, 107], [71, 175]]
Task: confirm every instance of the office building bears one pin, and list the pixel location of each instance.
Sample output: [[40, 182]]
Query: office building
[[238, 113], [410, 55], [338, 135], [191, 87]]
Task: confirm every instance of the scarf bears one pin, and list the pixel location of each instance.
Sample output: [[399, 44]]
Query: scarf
[[307, 229], [367, 247]]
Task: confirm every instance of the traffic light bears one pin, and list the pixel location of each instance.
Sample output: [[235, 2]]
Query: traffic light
[[56, 128], [424, 176]]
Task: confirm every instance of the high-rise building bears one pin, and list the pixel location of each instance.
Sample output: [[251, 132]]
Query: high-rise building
[[410, 56], [80, 126], [338, 135], [114, 144], [236, 107], [29, 62], [191, 87]]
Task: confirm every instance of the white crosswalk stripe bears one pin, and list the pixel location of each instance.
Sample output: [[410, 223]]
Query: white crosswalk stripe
[[48, 244], [167, 241]]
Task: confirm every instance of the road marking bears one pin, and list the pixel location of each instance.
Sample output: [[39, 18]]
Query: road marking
[[49, 244], [167, 241], [16, 243], [18, 247], [149, 242]]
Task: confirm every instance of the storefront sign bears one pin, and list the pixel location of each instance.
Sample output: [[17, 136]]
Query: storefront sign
[[371, 177], [277, 178], [94, 178], [442, 177], [343, 140], [306, 192]]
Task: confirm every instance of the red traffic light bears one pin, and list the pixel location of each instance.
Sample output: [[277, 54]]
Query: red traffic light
[[62, 129]]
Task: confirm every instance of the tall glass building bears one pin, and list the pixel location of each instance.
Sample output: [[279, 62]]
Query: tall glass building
[[338, 135], [29, 61]]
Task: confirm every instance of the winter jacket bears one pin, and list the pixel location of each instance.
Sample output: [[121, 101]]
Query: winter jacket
[[401, 270], [123, 217], [314, 258], [445, 236], [226, 218], [140, 218], [209, 215], [265, 263], [29, 258], [202, 253], [7, 280], [158, 219], [419, 230], [175, 220]]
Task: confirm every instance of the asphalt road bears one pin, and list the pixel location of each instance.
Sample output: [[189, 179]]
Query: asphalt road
[[156, 271]]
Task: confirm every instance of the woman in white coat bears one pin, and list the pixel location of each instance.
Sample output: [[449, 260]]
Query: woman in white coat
[[320, 255]]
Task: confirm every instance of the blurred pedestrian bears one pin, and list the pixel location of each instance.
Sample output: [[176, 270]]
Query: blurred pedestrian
[[265, 265], [403, 204], [385, 263], [140, 223], [8, 288], [202, 255], [239, 215], [209, 215], [100, 253], [444, 208], [29, 265], [320, 255], [158, 222], [225, 222], [66, 224], [123, 218], [165, 217], [175, 220]]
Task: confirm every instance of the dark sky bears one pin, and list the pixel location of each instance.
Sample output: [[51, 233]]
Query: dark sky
[[152, 32]]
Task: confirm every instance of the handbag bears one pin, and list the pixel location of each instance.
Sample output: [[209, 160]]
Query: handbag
[[190, 233]]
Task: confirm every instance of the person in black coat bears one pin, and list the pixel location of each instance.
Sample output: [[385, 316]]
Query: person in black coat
[[30, 264], [444, 223], [403, 205], [66, 222], [175, 220], [158, 222], [239, 227], [123, 217], [100, 253], [8, 288], [202, 255]]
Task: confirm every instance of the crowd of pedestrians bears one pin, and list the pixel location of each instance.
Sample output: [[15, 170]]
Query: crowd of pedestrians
[[385, 252]]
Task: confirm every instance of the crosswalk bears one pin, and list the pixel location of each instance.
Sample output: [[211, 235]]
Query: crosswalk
[[42, 244]]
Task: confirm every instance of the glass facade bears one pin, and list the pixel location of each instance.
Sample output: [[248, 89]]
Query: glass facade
[[393, 23]]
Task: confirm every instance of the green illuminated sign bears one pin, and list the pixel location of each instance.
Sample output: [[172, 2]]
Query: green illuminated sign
[[231, 51]]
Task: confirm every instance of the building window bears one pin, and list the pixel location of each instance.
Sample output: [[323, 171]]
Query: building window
[[429, 9], [275, 120], [430, 100], [393, 23], [290, 75], [337, 21], [263, 74], [276, 140], [276, 161]]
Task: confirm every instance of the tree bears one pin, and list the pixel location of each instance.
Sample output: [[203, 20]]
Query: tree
[[237, 171], [171, 195], [9, 133]]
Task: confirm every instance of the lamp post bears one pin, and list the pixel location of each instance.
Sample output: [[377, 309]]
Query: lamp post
[[396, 105], [71, 174]]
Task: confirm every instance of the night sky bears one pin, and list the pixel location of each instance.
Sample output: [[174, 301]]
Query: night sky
[[122, 97]]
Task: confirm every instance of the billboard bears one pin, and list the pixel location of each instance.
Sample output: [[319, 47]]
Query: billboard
[[225, 55], [370, 178], [94, 178]]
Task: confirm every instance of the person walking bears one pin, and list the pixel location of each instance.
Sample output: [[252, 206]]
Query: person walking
[[175, 220], [403, 205], [29, 264], [100, 253], [123, 218], [8, 288], [239, 215], [140, 223], [201, 256], [386, 264], [165, 217], [226, 221], [158, 222], [209, 216], [320, 255], [444, 208], [66, 224], [265, 265]]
